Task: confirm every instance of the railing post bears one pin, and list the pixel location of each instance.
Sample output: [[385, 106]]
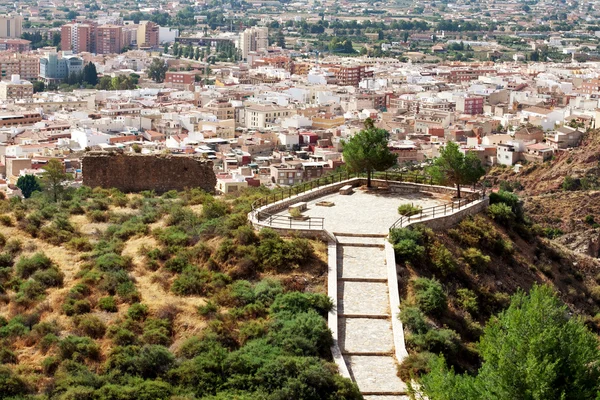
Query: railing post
[[433, 212], [445, 208], [309, 223], [290, 223]]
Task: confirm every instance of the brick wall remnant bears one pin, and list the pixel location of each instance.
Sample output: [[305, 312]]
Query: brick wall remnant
[[137, 172]]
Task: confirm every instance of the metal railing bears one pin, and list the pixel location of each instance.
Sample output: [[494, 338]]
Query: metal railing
[[440, 210], [286, 193], [284, 221]]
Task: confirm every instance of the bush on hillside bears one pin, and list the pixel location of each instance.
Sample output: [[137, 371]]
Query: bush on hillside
[[429, 295]]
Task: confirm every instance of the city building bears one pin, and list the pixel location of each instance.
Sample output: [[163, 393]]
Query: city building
[[11, 26], [18, 45], [181, 79], [21, 118], [16, 89], [254, 39], [147, 34], [77, 37], [471, 105], [25, 65], [55, 69], [166, 34], [109, 39]]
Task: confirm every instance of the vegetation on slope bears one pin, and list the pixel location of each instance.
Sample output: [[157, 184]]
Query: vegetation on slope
[[108, 296], [454, 281]]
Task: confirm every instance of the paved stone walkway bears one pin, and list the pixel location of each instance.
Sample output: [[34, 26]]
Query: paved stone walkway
[[364, 319]]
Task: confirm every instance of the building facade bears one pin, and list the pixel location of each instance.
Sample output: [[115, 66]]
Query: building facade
[[16, 89], [55, 69], [254, 39], [109, 39], [77, 37], [25, 65], [11, 26], [147, 34]]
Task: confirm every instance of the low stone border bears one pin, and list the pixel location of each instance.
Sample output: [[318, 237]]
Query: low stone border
[[332, 317], [397, 328]]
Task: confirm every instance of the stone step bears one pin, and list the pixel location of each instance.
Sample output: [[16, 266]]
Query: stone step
[[361, 262], [361, 235], [366, 298], [376, 375], [367, 353], [365, 335], [357, 244], [387, 396], [365, 316], [366, 280]]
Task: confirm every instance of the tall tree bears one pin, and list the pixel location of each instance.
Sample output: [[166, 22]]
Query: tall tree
[[54, 178], [533, 350], [368, 151], [455, 168], [28, 184], [157, 70], [90, 75]]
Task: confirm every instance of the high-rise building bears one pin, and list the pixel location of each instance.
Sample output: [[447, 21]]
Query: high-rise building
[[77, 37], [11, 26], [147, 34], [254, 39], [25, 65], [109, 39], [55, 69]]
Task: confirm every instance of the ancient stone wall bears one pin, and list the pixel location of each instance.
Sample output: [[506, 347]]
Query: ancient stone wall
[[136, 172]]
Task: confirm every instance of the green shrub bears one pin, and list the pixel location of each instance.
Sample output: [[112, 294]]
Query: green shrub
[[501, 213], [475, 258], [7, 356], [29, 292], [98, 216], [76, 347], [90, 325], [50, 365], [552, 233], [76, 307], [570, 184], [436, 341], [137, 312], [79, 244], [408, 210], [296, 302], [176, 264], [442, 259], [408, 250], [108, 304], [12, 385], [26, 266], [415, 365], [50, 277], [13, 246], [6, 220], [209, 309], [413, 319], [214, 209], [429, 295], [128, 292], [112, 262], [467, 300], [121, 336]]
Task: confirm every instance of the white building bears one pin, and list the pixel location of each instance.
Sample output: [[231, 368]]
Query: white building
[[254, 39], [88, 137]]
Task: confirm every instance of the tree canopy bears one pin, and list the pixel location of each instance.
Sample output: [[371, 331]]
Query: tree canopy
[[54, 178], [533, 350], [28, 184], [368, 151], [157, 70], [455, 168]]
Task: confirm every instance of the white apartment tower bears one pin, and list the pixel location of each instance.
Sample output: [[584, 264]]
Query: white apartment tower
[[254, 39]]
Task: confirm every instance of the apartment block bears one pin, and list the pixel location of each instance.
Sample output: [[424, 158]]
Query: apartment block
[[77, 37], [11, 26], [109, 39], [254, 39], [471, 105], [16, 89], [25, 65], [147, 34], [18, 45]]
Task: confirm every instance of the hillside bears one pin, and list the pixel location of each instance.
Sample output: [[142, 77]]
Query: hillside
[[562, 195], [454, 281], [105, 296]]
